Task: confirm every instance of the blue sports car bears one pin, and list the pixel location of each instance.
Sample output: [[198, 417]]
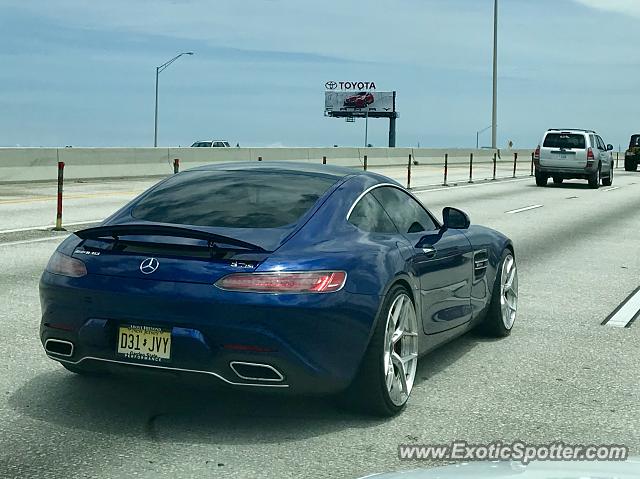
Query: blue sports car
[[302, 278]]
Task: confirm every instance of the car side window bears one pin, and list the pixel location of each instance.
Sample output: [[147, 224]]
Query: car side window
[[408, 215], [601, 144], [369, 216]]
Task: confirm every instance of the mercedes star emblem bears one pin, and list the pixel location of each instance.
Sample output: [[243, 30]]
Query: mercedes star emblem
[[149, 265]]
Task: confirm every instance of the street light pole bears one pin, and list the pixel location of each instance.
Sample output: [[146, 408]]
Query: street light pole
[[155, 122], [494, 116], [158, 70]]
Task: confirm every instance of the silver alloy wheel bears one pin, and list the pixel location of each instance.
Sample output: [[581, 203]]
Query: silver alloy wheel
[[509, 291], [400, 349]]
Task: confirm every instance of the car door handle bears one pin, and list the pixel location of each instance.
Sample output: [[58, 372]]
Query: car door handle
[[429, 251]]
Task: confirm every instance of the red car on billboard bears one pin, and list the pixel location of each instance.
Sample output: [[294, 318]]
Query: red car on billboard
[[359, 100]]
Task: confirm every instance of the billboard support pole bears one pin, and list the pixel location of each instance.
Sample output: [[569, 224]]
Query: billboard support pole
[[366, 129], [392, 124]]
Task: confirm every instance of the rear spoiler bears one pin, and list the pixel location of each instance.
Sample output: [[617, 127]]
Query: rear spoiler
[[115, 231]]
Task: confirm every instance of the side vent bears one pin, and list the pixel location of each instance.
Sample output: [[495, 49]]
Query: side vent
[[480, 263]]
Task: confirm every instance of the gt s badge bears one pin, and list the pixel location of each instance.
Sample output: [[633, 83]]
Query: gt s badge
[[90, 253]]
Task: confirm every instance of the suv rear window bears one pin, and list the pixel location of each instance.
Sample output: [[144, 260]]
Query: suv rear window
[[565, 140], [233, 199], [635, 141]]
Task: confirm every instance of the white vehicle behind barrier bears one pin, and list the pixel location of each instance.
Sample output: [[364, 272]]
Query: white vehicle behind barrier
[[569, 154], [211, 144]]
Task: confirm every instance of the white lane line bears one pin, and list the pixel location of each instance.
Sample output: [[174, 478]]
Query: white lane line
[[418, 189], [37, 240], [612, 188], [625, 313], [526, 208], [48, 227]]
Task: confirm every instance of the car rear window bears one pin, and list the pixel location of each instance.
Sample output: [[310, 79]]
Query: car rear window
[[635, 141], [565, 140], [233, 199]]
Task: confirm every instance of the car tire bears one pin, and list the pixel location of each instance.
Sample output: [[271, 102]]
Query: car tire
[[83, 371], [378, 388], [541, 179], [630, 165], [557, 180], [501, 314], [608, 181], [595, 178]]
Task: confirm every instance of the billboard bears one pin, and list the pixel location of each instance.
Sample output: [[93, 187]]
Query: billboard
[[358, 103]]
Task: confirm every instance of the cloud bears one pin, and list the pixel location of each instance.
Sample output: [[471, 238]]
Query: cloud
[[625, 7]]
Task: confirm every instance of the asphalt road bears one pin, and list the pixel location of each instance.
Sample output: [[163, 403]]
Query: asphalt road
[[560, 376]]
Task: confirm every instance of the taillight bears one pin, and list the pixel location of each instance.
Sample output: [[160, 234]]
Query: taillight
[[66, 266], [590, 157], [536, 156], [298, 282]]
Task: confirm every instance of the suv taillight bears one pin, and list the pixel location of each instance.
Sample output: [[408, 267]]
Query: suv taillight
[[536, 154], [590, 157]]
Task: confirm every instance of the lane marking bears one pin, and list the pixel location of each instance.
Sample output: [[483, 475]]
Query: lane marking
[[37, 240], [626, 312], [612, 188], [526, 208], [48, 227], [70, 196], [419, 190]]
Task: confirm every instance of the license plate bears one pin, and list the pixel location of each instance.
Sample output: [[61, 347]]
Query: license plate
[[144, 342], [563, 157]]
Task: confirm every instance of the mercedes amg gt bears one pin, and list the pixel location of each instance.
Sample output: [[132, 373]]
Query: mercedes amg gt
[[308, 279]]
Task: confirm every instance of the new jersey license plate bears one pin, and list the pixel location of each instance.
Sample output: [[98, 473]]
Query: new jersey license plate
[[144, 342]]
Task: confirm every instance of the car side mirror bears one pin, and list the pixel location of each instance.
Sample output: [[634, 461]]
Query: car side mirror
[[609, 147], [455, 219]]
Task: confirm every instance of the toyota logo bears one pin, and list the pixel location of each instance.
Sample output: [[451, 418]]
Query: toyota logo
[[331, 85], [149, 265]]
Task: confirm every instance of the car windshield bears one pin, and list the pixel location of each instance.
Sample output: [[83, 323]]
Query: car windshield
[[565, 140], [247, 199]]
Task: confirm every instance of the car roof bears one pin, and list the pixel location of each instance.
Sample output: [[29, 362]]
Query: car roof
[[570, 130], [293, 167]]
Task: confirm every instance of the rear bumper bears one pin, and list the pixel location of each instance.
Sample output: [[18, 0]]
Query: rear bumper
[[306, 344], [567, 173]]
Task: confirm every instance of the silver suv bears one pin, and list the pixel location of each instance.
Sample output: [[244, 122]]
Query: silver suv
[[568, 154]]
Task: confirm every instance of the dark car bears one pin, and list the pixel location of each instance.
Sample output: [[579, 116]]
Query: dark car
[[292, 277], [632, 155], [359, 100]]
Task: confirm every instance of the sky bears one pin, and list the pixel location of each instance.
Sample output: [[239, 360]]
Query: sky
[[82, 73]]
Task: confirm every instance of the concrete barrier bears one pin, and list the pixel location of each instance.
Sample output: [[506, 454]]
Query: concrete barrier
[[40, 164]]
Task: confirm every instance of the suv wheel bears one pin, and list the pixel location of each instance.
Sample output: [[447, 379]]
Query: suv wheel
[[557, 180], [630, 165], [594, 179], [541, 179], [608, 181]]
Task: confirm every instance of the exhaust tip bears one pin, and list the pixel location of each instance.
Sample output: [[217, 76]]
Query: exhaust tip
[[59, 347], [256, 371]]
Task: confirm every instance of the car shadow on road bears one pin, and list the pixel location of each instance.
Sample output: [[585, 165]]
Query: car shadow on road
[[563, 185], [167, 409]]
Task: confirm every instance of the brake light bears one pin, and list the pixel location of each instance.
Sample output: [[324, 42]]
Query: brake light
[[536, 156], [66, 266], [590, 157], [298, 282]]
